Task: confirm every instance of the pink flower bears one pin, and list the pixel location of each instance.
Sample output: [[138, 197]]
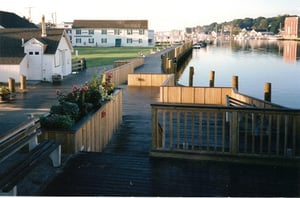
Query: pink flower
[[75, 88], [85, 88], [109, 75]]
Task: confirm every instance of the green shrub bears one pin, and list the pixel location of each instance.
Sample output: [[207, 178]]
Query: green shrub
[[56, 121], [66, 108]]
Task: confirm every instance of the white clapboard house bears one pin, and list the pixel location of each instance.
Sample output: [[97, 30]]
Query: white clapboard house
[[111, 33], [35, 53]]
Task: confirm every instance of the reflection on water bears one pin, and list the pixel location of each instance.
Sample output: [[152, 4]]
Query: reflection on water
[[255, 62]]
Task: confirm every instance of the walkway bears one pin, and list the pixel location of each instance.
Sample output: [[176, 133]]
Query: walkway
[[124, 168]]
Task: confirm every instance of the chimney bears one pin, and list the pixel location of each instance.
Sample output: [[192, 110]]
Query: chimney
[[44, 34]]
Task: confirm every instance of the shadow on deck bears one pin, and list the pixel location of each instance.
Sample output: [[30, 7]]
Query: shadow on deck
[[125, 168]]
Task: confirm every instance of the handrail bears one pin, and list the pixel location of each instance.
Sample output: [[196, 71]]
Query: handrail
[[270, 133]]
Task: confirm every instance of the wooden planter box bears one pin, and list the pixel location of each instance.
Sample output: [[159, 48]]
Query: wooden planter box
[[93, 132]]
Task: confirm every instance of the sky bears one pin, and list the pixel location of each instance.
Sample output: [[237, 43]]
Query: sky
[[162, 15]]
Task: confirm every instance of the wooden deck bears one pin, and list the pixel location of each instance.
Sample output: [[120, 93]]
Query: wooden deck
[[124, 168]]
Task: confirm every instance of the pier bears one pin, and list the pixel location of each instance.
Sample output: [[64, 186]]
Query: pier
[[125, 167]]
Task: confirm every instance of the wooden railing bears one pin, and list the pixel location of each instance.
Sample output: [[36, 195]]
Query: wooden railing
[[175, 57], [78, 65], [194, 95], [121, 71], [150, 80], [226, 133]]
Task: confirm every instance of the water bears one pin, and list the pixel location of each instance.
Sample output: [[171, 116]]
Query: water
[[255, 63]]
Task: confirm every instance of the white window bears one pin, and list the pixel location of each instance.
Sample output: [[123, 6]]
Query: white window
[[117, 31], [78, 31], [91, 32], [104, 40], [141, 31], [104, 31], [140, 40], [129, 32], [78, 40], [129, 40], [91, 40]]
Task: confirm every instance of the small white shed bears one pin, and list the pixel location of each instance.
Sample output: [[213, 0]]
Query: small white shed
[[34, 54]]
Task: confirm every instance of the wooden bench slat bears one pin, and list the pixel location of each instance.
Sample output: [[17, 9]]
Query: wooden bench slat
[[12, 148], [18, 171]]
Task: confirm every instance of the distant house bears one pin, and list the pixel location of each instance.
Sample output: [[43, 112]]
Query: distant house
[[108, 33], [35, 53], [292, 28]]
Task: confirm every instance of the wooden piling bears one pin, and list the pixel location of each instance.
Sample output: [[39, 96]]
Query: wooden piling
[[212, 79], [267, 91], [191, 76], [235, 82], [22, 82], [11, 85]]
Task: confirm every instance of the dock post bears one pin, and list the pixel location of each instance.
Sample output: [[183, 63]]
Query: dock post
[[267, 91], [11, 84], [212, 79], [235, 82], [191, 76], [22, 82]]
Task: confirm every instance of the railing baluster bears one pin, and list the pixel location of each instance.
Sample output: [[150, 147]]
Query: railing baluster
[[246, 133], [171, 129], [261, 133], [223, 131], [207, 131], [253, 132], [185, 131], [178, 129], [216, 131], [285, 134], [164, 129], [193, 130], [278, 134], [200, 130], [269, 134], [294, 137]]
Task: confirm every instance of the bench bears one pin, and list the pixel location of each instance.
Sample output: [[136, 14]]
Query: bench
[[12, 142]]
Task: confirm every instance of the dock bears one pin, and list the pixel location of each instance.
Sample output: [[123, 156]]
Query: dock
[[125, 167]]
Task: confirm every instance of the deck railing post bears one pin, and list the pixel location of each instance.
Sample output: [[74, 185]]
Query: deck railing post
[[235, 82], [233, 133], [267, 92], [154, 128], [11, 85], [191, 76], [212, 79]]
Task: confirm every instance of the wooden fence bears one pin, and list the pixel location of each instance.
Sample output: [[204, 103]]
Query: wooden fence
[[78, 65], [256, 135], [175, 57], [121, 71]]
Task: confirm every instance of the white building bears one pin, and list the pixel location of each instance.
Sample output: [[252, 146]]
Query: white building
[[35, 53], [110, 33]]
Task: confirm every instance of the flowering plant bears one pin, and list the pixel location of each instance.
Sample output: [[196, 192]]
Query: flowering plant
[[79, 102]]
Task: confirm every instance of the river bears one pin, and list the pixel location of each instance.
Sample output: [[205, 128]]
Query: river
[[255, 62]]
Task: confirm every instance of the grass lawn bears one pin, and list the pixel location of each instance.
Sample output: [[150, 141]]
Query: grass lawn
[[98, 56]]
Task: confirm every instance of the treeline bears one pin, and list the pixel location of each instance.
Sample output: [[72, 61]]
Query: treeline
[[273, 24]]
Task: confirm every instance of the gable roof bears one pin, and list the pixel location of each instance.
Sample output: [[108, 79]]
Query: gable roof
[[11, 20], [120, 24], [11, 49]]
